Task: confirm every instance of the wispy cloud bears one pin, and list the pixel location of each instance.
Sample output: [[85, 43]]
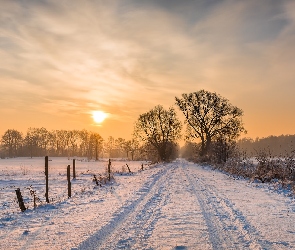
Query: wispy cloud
[[67, 57]]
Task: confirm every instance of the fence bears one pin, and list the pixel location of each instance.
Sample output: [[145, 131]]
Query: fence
[[60, 185]]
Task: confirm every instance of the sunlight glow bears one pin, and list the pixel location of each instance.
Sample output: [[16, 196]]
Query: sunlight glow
[[99, 116]]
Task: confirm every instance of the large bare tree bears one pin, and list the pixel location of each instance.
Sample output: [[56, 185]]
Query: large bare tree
[[210, 116], [160, 128]]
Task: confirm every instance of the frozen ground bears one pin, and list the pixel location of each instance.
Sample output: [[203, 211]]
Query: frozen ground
[[172, 206]]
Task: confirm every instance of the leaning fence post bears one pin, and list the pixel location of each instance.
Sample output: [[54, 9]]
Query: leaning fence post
[[109, 169], [69, 181], [74, 168], [46, 177], [20, 200], [128, 168]]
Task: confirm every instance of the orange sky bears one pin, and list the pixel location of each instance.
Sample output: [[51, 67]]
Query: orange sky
[[61, 60]]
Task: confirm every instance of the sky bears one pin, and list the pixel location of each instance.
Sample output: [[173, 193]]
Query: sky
[[62, 60]]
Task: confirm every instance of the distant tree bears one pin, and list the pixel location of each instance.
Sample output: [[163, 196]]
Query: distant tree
[[222, 149], [148, 152], [134, 146], [44, 138], [72, 140], [52, 143], [96, 144], [84, 136], [173, 150], [119, 146], [188, 150], [131, 146], [39, 141], [127, 147], [110, 146], [210, 116], [246, 145], [31, 141], [159, 128], [62, 142], [12, 142], [277, 145], [2, 151]]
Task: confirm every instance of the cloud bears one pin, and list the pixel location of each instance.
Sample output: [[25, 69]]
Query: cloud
[[67, 57]]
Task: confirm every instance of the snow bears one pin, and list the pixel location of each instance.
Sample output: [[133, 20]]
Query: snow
[[179, 205]]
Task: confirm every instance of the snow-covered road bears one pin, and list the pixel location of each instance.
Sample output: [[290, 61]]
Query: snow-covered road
[[180, 205], [189, 207]]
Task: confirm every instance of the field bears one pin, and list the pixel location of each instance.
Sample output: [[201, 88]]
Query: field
[[178, 205], [27, 173]]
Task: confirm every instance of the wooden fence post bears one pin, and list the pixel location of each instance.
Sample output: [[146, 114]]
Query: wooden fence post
[[74, 168], [69, 181], [20, 200], [46, 178], [109, 169], [128, 168], [33, 193]]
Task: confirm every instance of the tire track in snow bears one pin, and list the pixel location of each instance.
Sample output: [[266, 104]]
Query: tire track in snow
[[110, 233], [251, 237], [135, 232], [215, 229], [228, 227]]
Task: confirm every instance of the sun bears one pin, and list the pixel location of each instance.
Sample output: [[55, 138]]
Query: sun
[[99, 116]]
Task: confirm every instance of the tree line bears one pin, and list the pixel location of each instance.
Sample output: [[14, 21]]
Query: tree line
[[67, 143], [275, 145], [212, 126]]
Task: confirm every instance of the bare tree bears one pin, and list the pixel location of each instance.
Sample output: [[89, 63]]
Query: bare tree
[[110, 146], [134, 146], [119, 147], [127, 147], [159, 128], [84, 136], [210, 116], [12, 142], [96, 144], [43, 139], [131, 146], [61, 141], [31, 141], [73, 137]]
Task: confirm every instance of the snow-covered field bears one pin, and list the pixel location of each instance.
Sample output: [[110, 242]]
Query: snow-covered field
[[179, 205], [25, 172]]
